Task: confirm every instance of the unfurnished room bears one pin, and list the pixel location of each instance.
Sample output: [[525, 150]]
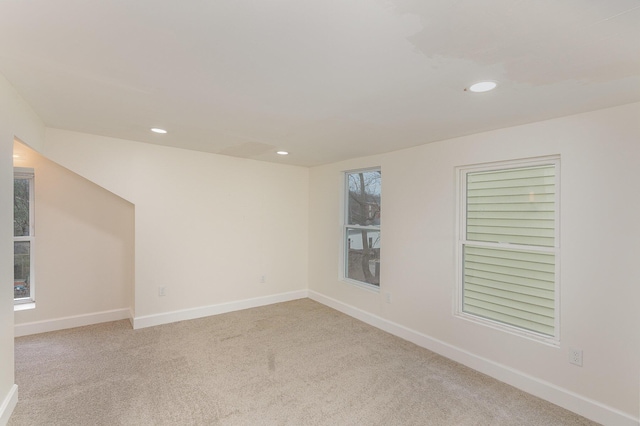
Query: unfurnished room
[[374, 212]]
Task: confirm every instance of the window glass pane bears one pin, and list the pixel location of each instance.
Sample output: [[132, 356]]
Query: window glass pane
[[515, 206], [21, 269], [363, 255], [20, 207], [515, 287], [364, 198]]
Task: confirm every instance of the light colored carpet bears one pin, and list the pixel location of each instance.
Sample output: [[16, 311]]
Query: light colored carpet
[[294, 363]]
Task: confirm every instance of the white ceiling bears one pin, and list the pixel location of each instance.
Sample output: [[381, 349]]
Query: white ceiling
[[324, 79]]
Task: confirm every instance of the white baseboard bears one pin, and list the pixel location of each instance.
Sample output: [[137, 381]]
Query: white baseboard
[[70, 322], [205, 311], [564, 398], [8, 405]]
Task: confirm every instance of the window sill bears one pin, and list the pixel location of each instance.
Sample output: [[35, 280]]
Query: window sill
[[24, 306], [371, 287], [547, 340]]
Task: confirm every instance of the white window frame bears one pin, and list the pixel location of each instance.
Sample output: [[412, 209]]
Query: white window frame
[[461, 174], [28, 174], [345, 227]]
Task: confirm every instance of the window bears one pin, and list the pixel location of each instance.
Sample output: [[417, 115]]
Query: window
[[23, 236], [362, 226], [508, 248]]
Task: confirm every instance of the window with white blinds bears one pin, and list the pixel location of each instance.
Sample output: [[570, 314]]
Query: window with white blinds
[[509, 243]]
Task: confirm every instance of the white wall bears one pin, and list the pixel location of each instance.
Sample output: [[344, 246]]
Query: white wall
[[207, 227], [195, 212], [16, 120], [84, 247], [600, 238]]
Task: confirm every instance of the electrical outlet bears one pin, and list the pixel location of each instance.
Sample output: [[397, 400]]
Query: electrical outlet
[[387, 297], [161, 291], [575, 356], [263, 279]]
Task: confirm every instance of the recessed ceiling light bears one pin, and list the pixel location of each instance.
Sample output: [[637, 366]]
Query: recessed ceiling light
[[156, 130], [483, 86], [282, 153]]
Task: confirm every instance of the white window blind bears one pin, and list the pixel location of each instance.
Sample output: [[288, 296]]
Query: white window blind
[[509, 246]]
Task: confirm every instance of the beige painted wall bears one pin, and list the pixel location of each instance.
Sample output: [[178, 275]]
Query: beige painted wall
[[16, 120], [84, 244], [600, 238], [207, 226]]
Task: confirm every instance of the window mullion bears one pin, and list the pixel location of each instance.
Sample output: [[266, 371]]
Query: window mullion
[[509, 246], [372, 228]]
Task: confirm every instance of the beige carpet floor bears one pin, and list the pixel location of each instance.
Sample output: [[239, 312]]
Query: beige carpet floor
[[294, 363]]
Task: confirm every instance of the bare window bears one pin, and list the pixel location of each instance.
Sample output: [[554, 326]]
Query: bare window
[[23, 236], [362, 226]]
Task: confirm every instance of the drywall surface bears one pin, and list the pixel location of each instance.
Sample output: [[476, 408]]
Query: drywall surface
[[6, 266], [84, 247], [600, 242], [16, 120], [208, 227]]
